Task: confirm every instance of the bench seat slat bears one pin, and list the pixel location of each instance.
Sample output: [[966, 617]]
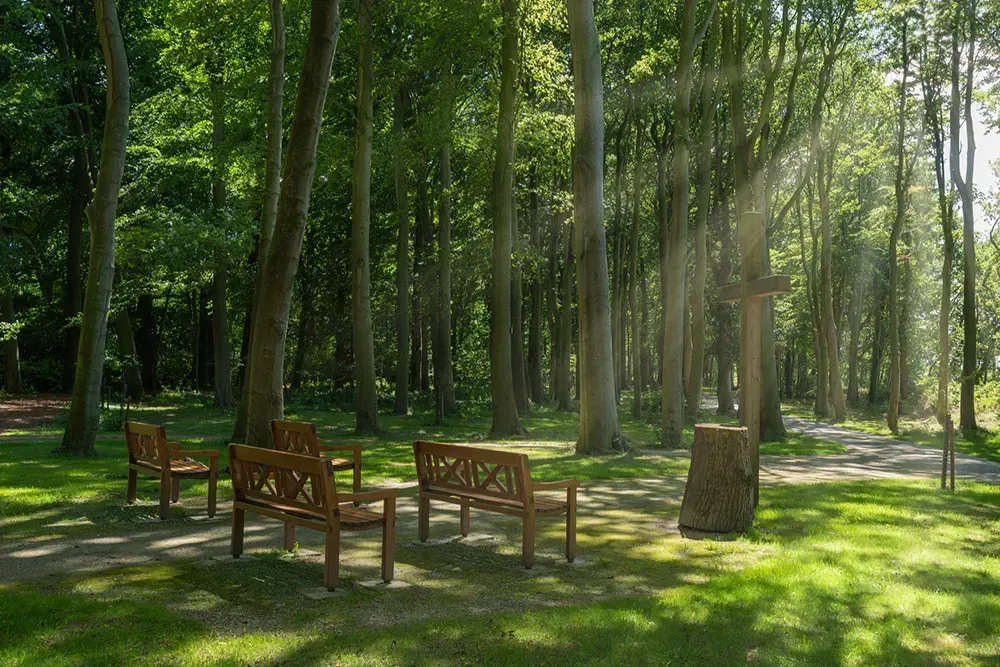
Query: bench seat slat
[[182, 469]]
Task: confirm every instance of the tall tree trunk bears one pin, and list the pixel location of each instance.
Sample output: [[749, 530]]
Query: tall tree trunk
[[418, 347], [271, 324], [564, 330], [81, 426], [901, 188], [130, 358], [206, 353], [854, 311], [517, 320], [599, 429], [964, 185], [444, 378], [272, 188], [505, 419], [876, 356], [904, 319], [74, 260], [11, 353], [677, 243], [633, 268], [305, 331], [535, 324], [220, 313], [826, 295], [366, 395], [698, 333], [401, 403], [553, 284]]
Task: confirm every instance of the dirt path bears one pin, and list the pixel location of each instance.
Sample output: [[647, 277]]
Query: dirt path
[[23, 412], [868, 457]]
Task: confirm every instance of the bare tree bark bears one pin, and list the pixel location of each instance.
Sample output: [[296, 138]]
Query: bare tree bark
[[505, 419], [832, 341], [365, 393], [401, 403], [130, 359], [272, 187], [633, 269], [599, 429], [517, 319], [81, 427], [535, 325], [444, 379], [964, 185], [271, 326]]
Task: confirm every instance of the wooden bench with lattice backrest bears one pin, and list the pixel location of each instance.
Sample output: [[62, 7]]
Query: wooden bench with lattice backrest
[[301, 438], [151, 454], [492, 480], [300, 489]]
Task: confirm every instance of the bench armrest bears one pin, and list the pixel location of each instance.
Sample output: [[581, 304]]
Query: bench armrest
[[179, 453], [552, 486], [368, 496], [356, 449]]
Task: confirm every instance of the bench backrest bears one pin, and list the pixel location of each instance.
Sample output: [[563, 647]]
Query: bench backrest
[[285, 479], [146, 443], [458, 469], [297, 437]]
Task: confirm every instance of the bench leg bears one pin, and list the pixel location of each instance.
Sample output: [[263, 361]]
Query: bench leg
[[357, 479], [571, 525], [423, 518], [528, 541], [132, 484], [389, 540], [213, 483], [175, 490], [166, 490], [289, 536], [237, 541], [464, 525], [331, 564]]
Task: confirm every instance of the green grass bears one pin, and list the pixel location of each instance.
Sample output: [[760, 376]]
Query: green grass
[[39, 488], [861, 573], [984, 443]]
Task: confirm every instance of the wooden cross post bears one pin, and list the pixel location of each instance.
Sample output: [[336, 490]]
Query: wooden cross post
[[750, 293]]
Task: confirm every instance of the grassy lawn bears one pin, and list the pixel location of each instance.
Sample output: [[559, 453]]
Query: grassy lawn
[[984, 443], [39, 489], [860, 573]]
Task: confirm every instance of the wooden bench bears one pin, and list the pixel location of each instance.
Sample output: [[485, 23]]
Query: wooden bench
[[491, 480], [300, 489], [301, 438], [151, 454]]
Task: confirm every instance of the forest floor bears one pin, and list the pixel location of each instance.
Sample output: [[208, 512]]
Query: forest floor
[[876, 571], [25, 413]]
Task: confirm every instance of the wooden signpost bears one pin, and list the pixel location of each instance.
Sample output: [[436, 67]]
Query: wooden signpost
[[750, 292]]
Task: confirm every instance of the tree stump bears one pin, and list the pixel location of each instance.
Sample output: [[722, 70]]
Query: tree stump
[[718, 497]]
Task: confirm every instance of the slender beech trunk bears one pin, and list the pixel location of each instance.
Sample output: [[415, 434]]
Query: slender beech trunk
[[11, 353], [505, 419], [698, 333], [401, 403], [271, 324], [826, 294], [220, 312], [875, 370], [272, 188], [418, 347], [599, 429], [74, 260], [535, 324], [677, 243], [564, 339], [553, 285], [365, 393], [81, 426], [964, 185], [444, 378], [854, 311], [130, 358], [901, 188], [633, 269], [517, 320]]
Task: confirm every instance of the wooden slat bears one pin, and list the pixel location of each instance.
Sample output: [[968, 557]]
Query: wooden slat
[[300, 462], [759, 288], [321, 526], [461, 451]]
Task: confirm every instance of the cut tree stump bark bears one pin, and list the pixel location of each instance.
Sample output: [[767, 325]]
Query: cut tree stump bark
[[719, 495]]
